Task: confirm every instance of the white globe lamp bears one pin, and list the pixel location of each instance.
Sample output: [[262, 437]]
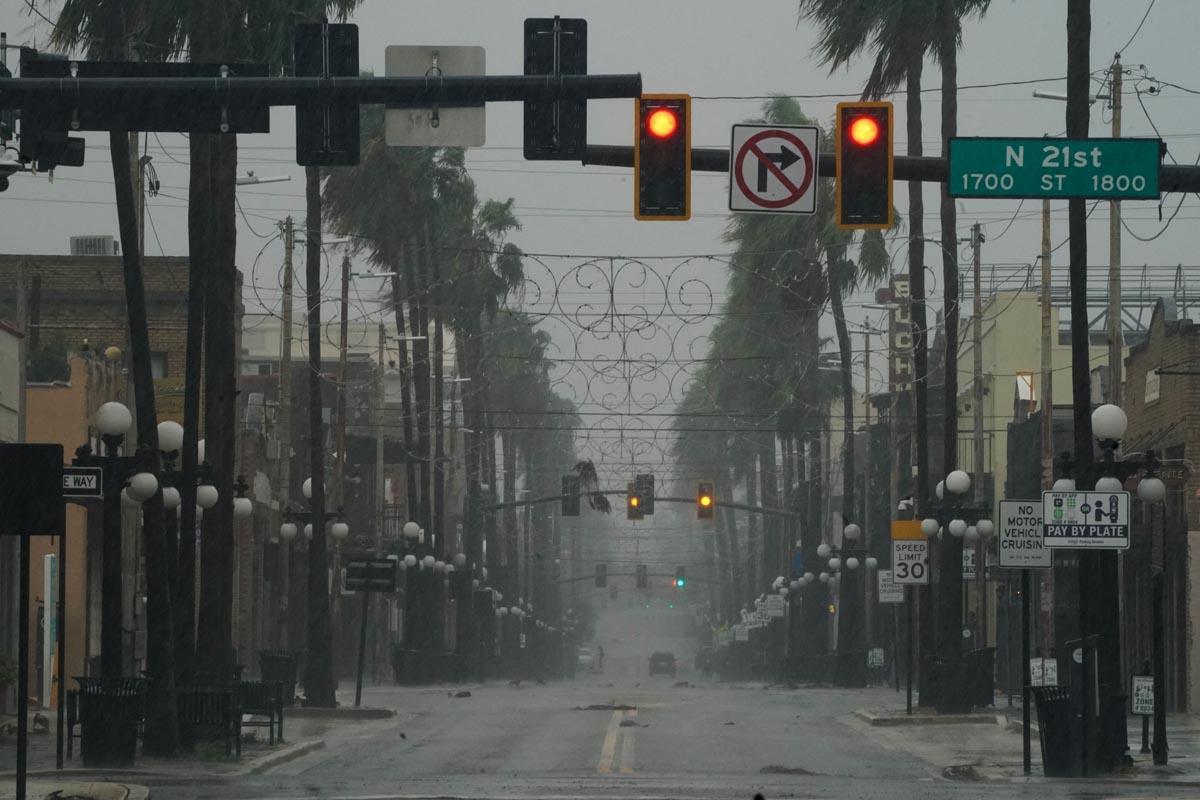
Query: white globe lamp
[[958, 482], [171, 498], [207, 495], [339, 531], [1152, 489], [1109, 422], [142, 486], [114, 419], [852, 532], [242, 508], [287, 531], [929, 526], [170, 436], [958, 528]]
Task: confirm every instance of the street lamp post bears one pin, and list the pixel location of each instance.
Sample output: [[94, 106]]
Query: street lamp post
[[949, 514], [113, 420]]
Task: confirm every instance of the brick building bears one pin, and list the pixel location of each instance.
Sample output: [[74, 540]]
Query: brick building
[[1162, 396]]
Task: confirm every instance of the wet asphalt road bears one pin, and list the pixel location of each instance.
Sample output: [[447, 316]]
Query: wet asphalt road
[[703, 739]]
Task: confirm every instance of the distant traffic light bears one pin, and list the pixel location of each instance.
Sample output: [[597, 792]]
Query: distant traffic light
[[680, 578], [645, 489], [643, 578], [705, 500], [662, 157], [601, 576], [864, 165], [570, 495], [633, 502]]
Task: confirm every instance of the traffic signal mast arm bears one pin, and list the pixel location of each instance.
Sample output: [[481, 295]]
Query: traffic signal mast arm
[[778, 512], [928, 169], [443, 91]]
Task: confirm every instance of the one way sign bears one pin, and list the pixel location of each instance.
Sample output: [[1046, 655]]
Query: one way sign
[[773, 169], [83, 482]]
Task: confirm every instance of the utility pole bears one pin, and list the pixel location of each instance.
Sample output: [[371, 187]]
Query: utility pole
[[869, 598], [339, 477], [283, 428], [1114, 257], [977, 442], [1046, 389], [380, 479], [381, 610]]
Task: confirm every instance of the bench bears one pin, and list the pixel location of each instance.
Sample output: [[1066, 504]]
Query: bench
[[262, 699], [210, 712]]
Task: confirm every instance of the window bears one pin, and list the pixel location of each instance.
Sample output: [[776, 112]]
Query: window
[[158, 365]]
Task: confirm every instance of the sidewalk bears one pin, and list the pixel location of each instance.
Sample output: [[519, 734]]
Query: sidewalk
[[986, 745], [207, 762]]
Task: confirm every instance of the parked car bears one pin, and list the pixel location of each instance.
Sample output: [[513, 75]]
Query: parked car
[[662, 663]]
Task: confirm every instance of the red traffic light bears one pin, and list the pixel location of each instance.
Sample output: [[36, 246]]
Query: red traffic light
[[864, 131], [662, 123]]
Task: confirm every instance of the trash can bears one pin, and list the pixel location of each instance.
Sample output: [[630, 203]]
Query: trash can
[[110, 710], [979, 672], [1057, 730], [279, 666]]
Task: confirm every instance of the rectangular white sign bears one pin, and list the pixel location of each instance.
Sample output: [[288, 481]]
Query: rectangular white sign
[[1050, 667], [968, 563], [1143, 695], [1036, 676], [775, 605], [875, 657], [741, 633], [889, 590], [1094, 520], [910, 561], [1020, 541]]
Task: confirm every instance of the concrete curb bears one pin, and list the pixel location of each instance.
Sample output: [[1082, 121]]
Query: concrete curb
[[95, 790], [272, 760], [890, 720], [341, 712]]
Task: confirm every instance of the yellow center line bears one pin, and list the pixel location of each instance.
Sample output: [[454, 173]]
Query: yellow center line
[[627, 744], [610, 743]]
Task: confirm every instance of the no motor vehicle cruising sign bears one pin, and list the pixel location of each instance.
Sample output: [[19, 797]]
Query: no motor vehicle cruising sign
[[1020, 542], [773, 168]]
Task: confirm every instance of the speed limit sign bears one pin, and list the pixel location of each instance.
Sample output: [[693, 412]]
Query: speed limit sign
[[910, 561]]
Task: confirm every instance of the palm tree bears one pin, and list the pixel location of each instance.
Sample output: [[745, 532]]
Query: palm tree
[[110, 29], [900, 34], [453, 264]]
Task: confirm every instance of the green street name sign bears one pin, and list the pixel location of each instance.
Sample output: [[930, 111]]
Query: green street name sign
[[1115, 169]]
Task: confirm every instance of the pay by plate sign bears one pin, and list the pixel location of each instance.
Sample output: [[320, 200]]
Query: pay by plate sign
[[1020, 540], [1093, 520]]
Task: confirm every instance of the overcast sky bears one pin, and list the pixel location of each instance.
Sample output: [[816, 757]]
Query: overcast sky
[[711, 49]]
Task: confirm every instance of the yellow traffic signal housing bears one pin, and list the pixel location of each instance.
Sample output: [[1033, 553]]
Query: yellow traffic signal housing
[[662, 157], [863, 187]]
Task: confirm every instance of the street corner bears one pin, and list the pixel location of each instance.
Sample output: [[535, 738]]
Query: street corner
[[283, 755]]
